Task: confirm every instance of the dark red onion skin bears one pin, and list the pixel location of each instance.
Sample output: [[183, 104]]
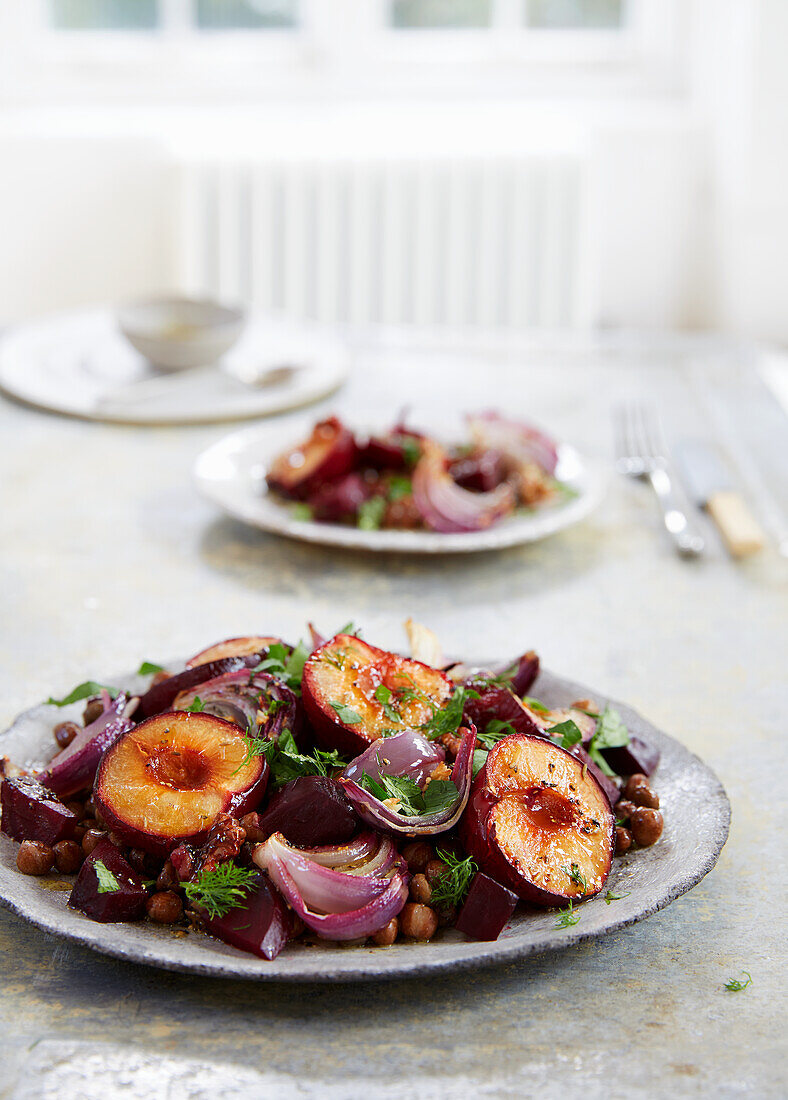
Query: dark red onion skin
[[486, 909], [261, 926], [497, 702], [124, 904], [246, 686], [637, 756], [310, 812], [32, 812], [338, 460], [78, 770], [480, 472], [160, 697], [526, 673], [338, 501]]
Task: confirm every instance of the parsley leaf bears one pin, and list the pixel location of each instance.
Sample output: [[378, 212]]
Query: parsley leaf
[[413, 801], [439, 795], [411, 448], [567, 917], [610, 733], [534, 704], [345, 713], [221, 890], [449, 718], [384, 697], [284, 665], [479, 760], [350, 628], [147, 668], [370, 514], [733, 985], [196, 706], [451, 886], [399, 487], [302, 512], [107, 882], [495, 732], [82, 691], [568, 731], [286, 762]]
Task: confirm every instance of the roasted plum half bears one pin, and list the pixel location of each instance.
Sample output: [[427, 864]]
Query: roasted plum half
[[233, 647], [166, 780], [355, 693], [539, 823], [329, 453]]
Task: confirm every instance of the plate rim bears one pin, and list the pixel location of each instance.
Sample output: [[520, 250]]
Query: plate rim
[[514, 532], [490, 953]]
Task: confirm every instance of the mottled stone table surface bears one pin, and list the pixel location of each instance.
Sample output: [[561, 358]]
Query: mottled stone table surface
[[108, 556]]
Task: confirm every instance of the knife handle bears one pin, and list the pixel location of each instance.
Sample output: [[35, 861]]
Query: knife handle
[[740, 531]]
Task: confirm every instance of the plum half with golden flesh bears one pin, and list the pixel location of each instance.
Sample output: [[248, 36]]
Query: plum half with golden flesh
[[538, 822], [233, 647], [329, 453], [165, 781], [355, 693]]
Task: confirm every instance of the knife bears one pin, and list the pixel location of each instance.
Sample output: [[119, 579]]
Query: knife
[[708, 482]]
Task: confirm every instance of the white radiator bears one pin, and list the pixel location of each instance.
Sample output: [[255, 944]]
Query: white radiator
[[495, 243]]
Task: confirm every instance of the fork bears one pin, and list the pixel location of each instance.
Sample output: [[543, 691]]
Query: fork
[[641, 453]]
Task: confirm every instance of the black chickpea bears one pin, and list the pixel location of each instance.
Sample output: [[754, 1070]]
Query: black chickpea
[[417, 855], [387, 935], [418, 922], [34, 858], [165, 907], [434, 869], [65, 732], [91, 839], [420, 889], [624, 809], [638, 790], [68, 856], [93, 710], [623, 840], [646, 826]]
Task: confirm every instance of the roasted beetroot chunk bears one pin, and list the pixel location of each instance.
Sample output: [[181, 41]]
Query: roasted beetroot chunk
[[396, 451], [637, 756], [339, 501], [32, 812], [486, 909], [343, 700], [167, 780], [310, 812], [161, 696], [538, 822], [112, 892], [480, 472], [260, 926], [329, 453]]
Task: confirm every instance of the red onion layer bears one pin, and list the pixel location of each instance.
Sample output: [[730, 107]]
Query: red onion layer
[[448, 508], [520, 443], [74, 767], [405, 754]]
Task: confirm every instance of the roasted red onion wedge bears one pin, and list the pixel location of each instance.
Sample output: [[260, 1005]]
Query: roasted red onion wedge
[[339, 904], [497, 703], [520, 444], [354, 692], [74, 768], [329, 453], [253, 700], [385, 817], [166, 780], [539, 823], [408, 753], [448, 508]]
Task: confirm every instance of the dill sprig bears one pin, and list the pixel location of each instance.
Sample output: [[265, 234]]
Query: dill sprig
[[221, 890], [567, 917], [733, 985], [451, 886]]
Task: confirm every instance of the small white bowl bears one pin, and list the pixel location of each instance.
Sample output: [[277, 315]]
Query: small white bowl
[[180, 333]]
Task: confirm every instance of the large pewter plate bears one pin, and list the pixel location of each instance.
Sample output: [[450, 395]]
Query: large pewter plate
[[231, 474], [697, 816]]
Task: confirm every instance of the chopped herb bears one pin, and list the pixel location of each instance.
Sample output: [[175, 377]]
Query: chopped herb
[[451, 886], [569, 733], [147, 668], [413, 802], [370, 514], [284, 665], [610, 733], [196, 706], [534, 704], [495, 732], [449, 718], [221, 890], [253, 747], [302, 512], [577, 878], [384, 697], [82, 691], [345, 714], [286, 762], [733, 985], [411, 448], [350, 628], [609, 896], [399, 487], [567, 918], [107, 883], [479, 760]]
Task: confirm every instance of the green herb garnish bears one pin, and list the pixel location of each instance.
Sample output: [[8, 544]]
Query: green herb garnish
[[286, 762], [302, 512], [82, 691], [399, 487], [147, 668], [438, 795], [411, 449], [609, 896], [479, 760], [284, 665], [567, 918], [370, 514], [576, 877], [107, 882], [221, 890], [384, 696], [496, 731], [350, 628], [449, 718], [733, 985], [610, 733], [196, 706], [345, 713], [534, 704], [569, 732], [253, 747], [451, 886]]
